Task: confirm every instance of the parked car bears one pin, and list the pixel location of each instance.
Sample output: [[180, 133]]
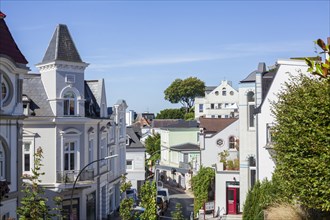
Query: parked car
[[161, 205], [136, 212], [132, 193], [161, 191]]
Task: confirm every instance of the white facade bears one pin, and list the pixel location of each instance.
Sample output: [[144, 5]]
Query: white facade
[[218, 102], [12, 70], [135, 168], [68, 118], [247, 133], [265, 119]]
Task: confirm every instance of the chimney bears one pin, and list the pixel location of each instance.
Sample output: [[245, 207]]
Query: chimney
[[260, 71]]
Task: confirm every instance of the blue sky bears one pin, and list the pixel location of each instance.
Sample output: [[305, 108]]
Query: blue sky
[[140, 47]]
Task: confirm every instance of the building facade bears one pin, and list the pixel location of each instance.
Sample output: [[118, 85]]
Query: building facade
[[68, 117], [218, 102], [12, 70]]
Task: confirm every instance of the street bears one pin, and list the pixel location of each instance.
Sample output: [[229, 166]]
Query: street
[[178, 195]]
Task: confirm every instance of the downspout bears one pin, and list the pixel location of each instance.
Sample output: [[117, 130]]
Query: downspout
[[98, 190]]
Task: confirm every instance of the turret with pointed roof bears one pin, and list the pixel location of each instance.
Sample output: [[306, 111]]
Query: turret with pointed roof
[[61, 47]]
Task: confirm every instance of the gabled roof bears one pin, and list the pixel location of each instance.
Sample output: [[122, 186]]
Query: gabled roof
[[8, 45], [134, 141], [185, 147], [214, 125], [61, 47], [36, 95]]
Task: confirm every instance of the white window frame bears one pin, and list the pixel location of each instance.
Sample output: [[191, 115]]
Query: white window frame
[[131, 166], [250, 111], [30, 152], [71, 135], [2, 162]]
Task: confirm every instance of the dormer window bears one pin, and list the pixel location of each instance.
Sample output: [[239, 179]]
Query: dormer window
[[69, 103]]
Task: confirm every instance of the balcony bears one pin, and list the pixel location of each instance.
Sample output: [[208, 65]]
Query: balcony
[[70, 176]]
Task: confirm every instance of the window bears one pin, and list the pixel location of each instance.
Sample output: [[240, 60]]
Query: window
[[201, 107], [129, 164], [212, 106], [2, 162], [127, 140], [224, 92], [231, 92], [251, 118], [6, 90], [90, 150], [232, 142], [103, 151], [252, 169], [69, 78], [69, 103], [216, 92], [26, 157], [69, 156], [270, 132]]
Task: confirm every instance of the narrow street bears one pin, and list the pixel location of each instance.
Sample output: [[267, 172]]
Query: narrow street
[[178, 195]]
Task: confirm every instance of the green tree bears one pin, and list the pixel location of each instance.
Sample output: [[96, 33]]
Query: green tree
[[302, 143], [171, 113], [177, 213], [185, 91], [152, 145], [148, 200], [34, 204], [126, 204], [201, 186]]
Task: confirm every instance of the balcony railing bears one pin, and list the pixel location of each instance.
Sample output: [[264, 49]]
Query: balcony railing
[[69, 176]]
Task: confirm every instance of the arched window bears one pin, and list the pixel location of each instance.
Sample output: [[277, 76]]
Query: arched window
[[69, 107], [250, 101], [232, 142], [224, 92], [6, 93]]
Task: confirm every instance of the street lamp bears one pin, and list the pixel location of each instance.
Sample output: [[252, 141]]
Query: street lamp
[[75, 181]]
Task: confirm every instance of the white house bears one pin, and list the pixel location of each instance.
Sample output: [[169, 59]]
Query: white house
[[220, 136], [68, 117], [135, 157], [218, 102], [12, 70], [268, 85]]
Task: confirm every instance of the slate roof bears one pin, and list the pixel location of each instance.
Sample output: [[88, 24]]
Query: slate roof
[[174, 123], [61, 47], [92, 106], [185, 147], [250, 78], [8, 45], [215, 125], [134, 141], [34, 90]]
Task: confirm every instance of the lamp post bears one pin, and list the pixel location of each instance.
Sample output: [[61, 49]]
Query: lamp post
[[80, 172]]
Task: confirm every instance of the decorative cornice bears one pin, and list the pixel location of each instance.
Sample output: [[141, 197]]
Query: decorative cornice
[[62, 66]]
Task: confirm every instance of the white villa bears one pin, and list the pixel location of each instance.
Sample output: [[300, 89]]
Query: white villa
[[218, 102], [68, 117]]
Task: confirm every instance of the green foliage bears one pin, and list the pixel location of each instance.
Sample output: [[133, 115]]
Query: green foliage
[[148, 200], [189, 116], [126, 204], [185, 91], [260, 197], [34, 204], [177, 214], [302, 141], [201, 185], [171, 113], [152, 145], [321, 69]]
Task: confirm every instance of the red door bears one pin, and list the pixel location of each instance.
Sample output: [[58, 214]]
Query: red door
[[232, 200]]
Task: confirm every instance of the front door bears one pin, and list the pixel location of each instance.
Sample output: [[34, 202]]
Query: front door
[[232, 200]]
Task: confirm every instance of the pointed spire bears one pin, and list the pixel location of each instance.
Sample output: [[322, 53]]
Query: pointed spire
[[61, 47], [8, 45]]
